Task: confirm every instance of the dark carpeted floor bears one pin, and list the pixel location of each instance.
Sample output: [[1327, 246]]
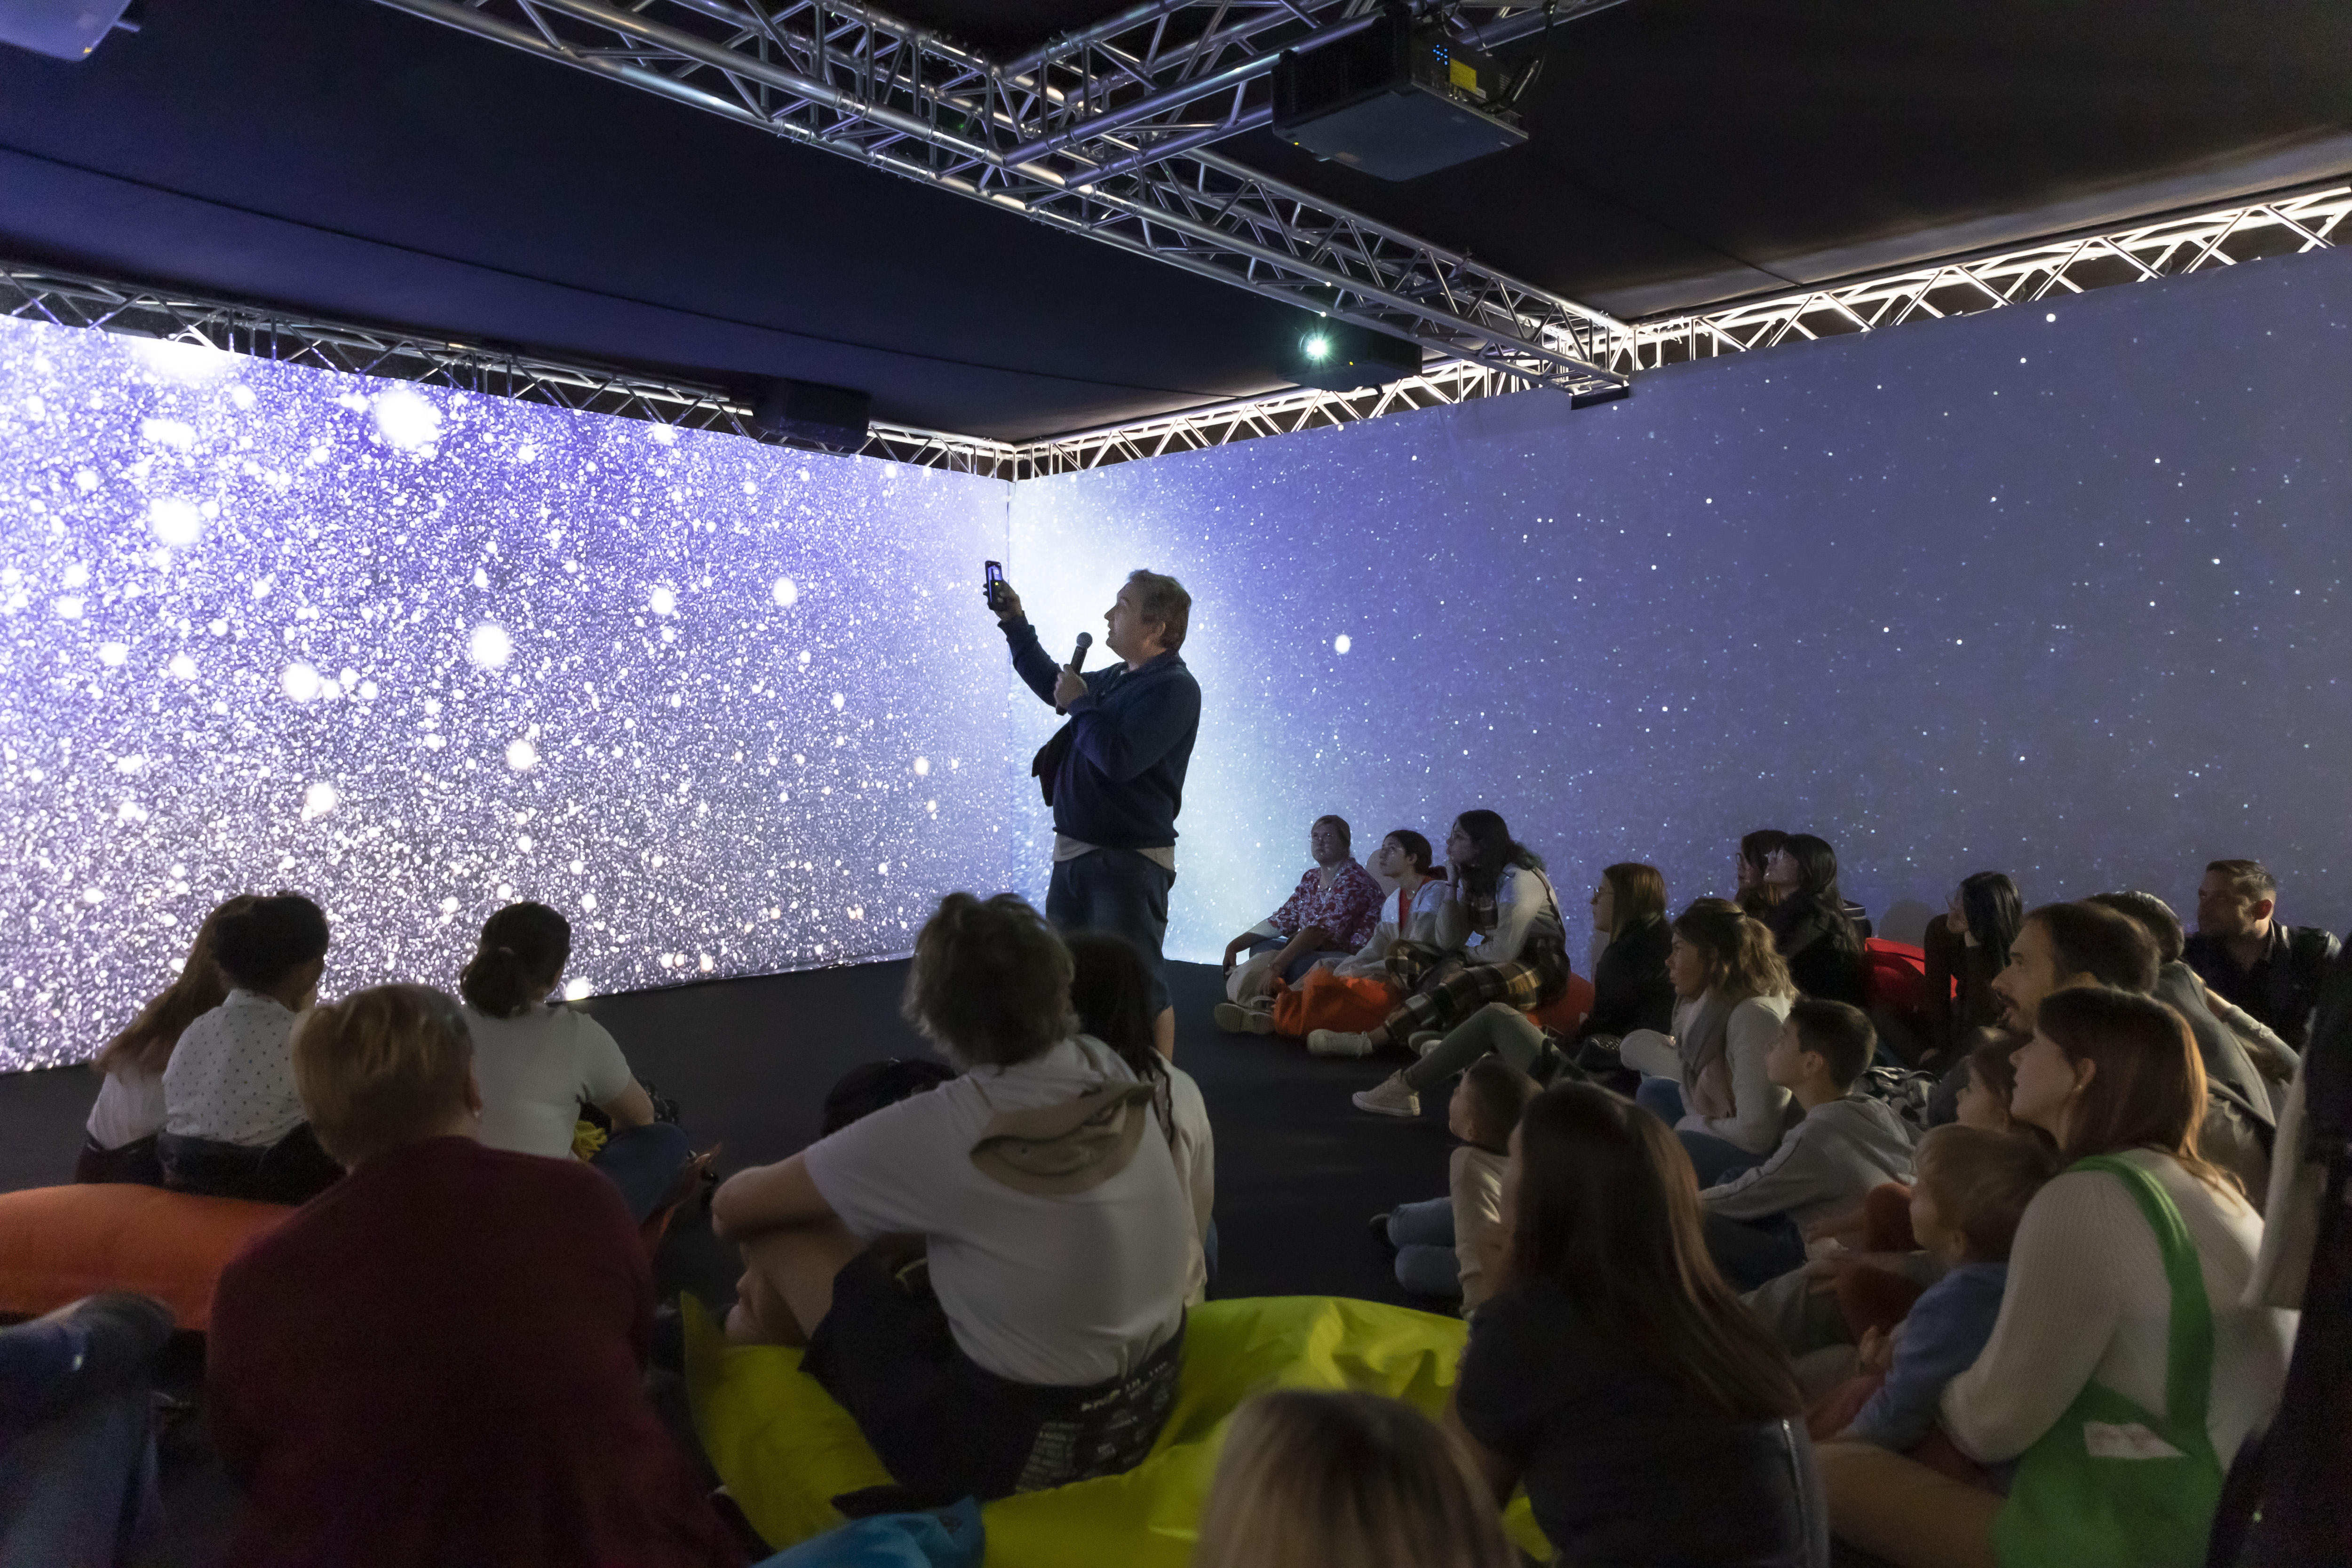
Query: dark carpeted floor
[[749, 1061]]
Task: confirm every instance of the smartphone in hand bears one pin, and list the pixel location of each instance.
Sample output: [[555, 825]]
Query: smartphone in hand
[[993, 585]]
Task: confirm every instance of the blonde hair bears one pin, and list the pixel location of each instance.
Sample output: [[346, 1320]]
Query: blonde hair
[[991, 982], [1742, 960], [148, 1041], [1980, 1183], [384, 1067], [1315, 1480]]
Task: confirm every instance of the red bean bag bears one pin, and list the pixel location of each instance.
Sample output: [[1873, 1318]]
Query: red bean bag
[[1323, 1000], [60, 1243], [1894, 975], [1566, 1012]]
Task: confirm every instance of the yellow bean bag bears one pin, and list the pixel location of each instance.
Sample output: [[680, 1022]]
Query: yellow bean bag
[[784, 1448]]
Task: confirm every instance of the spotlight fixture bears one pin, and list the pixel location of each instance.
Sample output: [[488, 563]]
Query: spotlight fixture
[[833, 417], [1601, 394], [1339, 356]]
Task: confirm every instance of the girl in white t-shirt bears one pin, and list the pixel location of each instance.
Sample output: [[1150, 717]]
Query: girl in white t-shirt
[[538, 1063], [119, 1140]]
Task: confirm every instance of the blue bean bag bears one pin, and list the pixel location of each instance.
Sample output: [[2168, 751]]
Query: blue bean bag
[[784, 1448]]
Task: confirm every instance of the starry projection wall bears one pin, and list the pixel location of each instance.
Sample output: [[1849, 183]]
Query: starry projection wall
[[416, 652], [2058, 591]]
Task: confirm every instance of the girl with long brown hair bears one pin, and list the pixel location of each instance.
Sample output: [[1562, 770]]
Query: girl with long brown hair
[[1706, 1081], [118, 1142], [1614, 1372], [2122, 1332]]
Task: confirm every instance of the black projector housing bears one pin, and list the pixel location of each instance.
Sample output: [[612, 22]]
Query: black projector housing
[[1395, 100], [1350, 357], [813, 413]]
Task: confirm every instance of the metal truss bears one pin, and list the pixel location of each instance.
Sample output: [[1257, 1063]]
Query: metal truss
[[2048, 269], [1100, 134], [68, 299], [2290, 223]]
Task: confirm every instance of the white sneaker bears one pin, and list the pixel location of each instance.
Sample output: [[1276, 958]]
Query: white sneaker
[[1336, 1043], [1423, 1041], [1390, 1097], [1231, 1017]]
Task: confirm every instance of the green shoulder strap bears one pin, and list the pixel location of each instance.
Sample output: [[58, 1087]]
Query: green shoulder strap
[[2189, 1373]]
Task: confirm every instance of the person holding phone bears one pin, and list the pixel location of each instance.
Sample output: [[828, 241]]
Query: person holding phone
[[1113, 774]]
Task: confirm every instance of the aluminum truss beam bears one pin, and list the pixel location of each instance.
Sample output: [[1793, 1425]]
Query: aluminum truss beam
[[42, 294], [2283, 225], [1100, 135]]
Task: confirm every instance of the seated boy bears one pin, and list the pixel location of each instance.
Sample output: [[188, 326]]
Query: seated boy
[[1825, 1165], [437, 1360], [1972, 1190]]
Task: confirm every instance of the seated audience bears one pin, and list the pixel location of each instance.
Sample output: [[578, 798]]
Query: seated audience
[[233, 1123], [1327, 916], [1846, 1144], [1315, 1479], [1965, 948], [1708, 1081], [1630, 991], [1612, 1373], [1752, 891], [2229, 1068], [537, 1062], [439, 1361], [1629, 986], [1972, 1191], [2271, 968], [1410, 914], [77, 1434], [1111, 987], [1503, 916], [1813, 924], [119, 1140], [1041, 1343], [1362, 988], [2121, 1327], [1440, 1244]]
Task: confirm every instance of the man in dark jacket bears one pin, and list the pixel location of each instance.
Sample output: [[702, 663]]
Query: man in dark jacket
[[2240, 950], [1114, 774]]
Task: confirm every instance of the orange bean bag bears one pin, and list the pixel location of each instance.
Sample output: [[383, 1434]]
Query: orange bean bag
[[60, 1243], [1325, 1001]]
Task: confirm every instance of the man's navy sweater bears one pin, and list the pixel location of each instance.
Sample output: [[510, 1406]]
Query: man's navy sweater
[[1121, 780]]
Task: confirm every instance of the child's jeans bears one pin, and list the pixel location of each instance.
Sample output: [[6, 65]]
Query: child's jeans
[[1423, 1235]]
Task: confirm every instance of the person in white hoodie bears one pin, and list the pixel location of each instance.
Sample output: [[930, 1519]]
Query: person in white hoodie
[[1706, 1081], [1825, 1165]]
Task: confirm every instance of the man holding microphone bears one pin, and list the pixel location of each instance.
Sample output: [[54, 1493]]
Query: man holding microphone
[[1114, 774]]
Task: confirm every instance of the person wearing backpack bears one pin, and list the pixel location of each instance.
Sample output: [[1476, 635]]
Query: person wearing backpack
[[2124, 1370]]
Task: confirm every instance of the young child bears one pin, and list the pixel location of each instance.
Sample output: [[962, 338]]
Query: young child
[[1846, 1144], [1437, 1242], [1882, 1224], [1972, 1190]]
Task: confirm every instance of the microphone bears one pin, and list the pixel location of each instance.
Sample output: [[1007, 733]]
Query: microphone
[[1077, 657]]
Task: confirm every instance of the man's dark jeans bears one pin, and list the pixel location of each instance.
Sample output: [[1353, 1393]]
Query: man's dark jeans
[[1122, 891]]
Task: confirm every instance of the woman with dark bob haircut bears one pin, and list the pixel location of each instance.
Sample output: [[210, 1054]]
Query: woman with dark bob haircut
[[1612, 1372], [2124, 1312], [1041, 1345], [1813, 925]]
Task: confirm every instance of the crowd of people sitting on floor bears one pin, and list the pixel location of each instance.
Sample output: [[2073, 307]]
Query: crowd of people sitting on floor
[[1739, 1266]]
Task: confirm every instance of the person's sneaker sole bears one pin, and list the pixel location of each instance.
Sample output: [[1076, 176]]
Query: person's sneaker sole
[[1334, 1043], [1231, 1017], [1423, 1041], [1367, 1099], [1260, 1020]]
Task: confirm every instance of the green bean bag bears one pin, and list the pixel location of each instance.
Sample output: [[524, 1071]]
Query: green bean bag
[[784, 1448]]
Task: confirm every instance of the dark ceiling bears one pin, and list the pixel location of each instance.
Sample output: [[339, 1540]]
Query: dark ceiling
[[336, 157]]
